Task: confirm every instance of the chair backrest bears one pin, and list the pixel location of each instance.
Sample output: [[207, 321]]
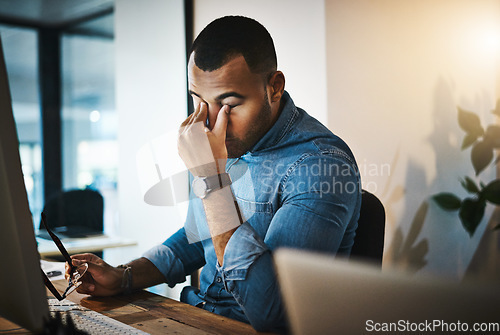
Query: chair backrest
[[78, 210], [369, 240]]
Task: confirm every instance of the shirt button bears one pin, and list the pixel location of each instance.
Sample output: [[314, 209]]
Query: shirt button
[[219, 280]]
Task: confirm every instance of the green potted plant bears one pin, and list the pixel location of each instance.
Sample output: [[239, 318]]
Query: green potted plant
[[483, 143]]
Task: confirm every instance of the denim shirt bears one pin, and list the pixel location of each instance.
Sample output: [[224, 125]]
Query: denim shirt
[[298, 187]]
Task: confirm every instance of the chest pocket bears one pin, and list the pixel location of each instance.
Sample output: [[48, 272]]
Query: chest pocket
[[257, 214]]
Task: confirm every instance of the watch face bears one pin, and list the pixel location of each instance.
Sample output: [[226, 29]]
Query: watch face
[[199, 187]]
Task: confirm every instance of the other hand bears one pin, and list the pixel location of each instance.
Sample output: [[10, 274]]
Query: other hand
[[101, 278]]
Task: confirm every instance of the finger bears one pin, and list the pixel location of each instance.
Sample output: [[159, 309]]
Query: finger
[[93, 267], [187, 120], [77, 260], [82, 258], [193, 116], [220, 126], [86, 288], [67, 271], [201, 115]]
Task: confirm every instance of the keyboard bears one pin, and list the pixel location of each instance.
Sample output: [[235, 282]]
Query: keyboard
[[87, 320]]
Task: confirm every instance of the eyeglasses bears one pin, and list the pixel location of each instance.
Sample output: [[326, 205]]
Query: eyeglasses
[[77, 272]]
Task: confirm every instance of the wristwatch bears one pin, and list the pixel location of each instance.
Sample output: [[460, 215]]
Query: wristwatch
[[202, 186]]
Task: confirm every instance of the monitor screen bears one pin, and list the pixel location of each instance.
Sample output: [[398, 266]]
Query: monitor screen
[[23, 298]]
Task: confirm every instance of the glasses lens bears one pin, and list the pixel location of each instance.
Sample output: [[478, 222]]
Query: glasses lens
[[75, 281], [79, 273]]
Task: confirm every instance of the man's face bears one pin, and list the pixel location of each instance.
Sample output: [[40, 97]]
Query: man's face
[[243, 91]]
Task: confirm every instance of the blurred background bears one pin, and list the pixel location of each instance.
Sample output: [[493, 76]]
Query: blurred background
[[93, 81]]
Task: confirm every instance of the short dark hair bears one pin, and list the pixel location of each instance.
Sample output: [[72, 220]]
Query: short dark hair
[[231, 36]]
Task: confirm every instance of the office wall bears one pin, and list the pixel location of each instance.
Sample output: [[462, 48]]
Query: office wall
[[151, 100], [298, 30], [385, 75], [396, 70], [151, 95]]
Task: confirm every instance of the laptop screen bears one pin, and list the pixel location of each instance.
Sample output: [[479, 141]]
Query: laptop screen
[[23, 296]]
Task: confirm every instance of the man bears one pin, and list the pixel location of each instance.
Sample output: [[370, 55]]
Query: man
[[266, 175]]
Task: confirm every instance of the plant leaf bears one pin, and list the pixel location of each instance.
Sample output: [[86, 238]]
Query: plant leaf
[[469, 140], [492, 136], [481, 156], [469, 185], [470, 122], [492, 192], [447, 201], [471, 213]]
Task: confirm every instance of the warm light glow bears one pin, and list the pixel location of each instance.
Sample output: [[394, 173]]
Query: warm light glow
[[95, 116], [491, 41]]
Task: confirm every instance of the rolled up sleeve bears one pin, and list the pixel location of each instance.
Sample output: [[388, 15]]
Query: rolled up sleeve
[[248, 274], [308, 219], [176, 257]]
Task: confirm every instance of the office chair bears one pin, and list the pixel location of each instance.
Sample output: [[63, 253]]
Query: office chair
[[74, 213], [369, 240]]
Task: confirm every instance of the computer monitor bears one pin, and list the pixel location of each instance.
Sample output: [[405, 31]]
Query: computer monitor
[[23, 296], [326, 295]]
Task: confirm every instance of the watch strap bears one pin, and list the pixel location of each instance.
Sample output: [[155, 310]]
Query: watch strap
[[218, 181]]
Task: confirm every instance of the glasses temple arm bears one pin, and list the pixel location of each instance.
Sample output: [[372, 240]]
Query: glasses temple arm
[[51, 287], [58, 242]]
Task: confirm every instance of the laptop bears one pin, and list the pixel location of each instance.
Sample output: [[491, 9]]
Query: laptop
[[324, 295], [23, 298]]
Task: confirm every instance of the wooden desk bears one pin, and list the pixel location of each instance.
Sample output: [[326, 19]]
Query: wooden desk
[[153, 314], [48, 248]]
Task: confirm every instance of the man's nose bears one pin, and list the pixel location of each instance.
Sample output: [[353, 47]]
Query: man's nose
[[212, 112]]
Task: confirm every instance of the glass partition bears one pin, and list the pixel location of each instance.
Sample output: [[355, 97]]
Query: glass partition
[[20, 47], [89, 118]]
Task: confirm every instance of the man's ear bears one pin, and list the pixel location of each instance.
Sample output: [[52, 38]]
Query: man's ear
[[276, 85]]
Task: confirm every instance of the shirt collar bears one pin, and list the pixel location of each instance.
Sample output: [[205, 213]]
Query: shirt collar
[[280, 128]]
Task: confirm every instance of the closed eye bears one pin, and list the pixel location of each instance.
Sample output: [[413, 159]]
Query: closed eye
[[231, 106]]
